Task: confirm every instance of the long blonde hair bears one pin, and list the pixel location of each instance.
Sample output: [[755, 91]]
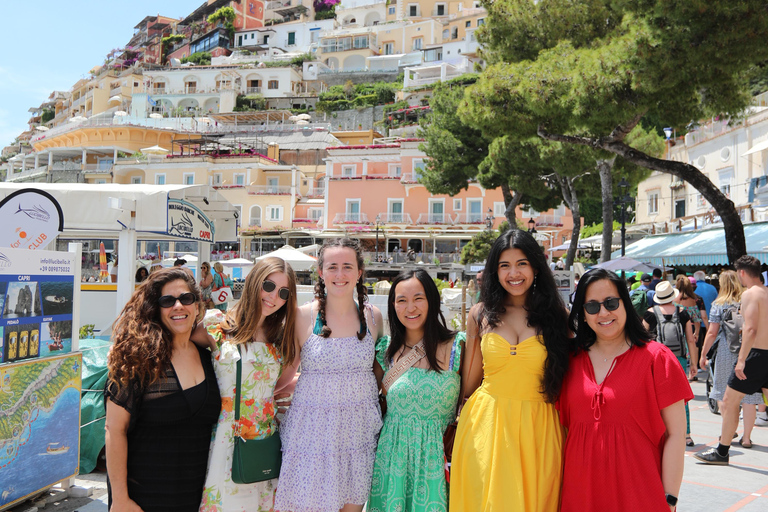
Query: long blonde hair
[[242, 321], [730, 289]]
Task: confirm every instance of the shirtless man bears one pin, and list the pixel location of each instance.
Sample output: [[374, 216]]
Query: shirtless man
[[751, 372]]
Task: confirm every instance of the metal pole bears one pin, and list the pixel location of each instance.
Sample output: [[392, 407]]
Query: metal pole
[[623, 229], [377, 242]]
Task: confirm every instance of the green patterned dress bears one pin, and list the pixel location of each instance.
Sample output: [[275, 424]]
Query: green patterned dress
[[409, 474]]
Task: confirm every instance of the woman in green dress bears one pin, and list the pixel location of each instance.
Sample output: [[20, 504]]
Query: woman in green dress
[[408, 473]]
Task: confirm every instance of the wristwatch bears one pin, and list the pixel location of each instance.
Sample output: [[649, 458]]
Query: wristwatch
[[671, 500]]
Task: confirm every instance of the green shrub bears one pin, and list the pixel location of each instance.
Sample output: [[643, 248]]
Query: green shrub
[[198, 59]]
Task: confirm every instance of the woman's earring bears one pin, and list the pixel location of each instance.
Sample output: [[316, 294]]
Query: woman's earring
[[534, 281]]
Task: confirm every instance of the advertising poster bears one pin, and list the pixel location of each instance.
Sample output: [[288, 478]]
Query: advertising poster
[[40, 376], [564, 279]]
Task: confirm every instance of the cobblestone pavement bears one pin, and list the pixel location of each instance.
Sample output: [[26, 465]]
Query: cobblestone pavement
[[742, 486]]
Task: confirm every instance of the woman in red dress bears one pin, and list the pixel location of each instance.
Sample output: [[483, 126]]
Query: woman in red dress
[[622, 404]]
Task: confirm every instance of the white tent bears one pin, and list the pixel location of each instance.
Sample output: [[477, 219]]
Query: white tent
[[298, 260]]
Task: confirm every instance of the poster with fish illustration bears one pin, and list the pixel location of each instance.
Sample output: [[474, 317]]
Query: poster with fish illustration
[[32, 219], [185, 220]]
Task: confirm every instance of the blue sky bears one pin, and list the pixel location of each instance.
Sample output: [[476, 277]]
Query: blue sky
[[49, 45]]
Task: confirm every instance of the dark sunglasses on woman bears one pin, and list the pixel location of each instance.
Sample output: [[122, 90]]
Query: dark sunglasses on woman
[[168, 301], [269, 287], [611, 304]]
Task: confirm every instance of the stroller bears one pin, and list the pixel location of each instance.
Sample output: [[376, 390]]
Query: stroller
[[711, 402]]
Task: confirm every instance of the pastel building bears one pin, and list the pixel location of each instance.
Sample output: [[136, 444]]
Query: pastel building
[[292, 37], [372, 191]]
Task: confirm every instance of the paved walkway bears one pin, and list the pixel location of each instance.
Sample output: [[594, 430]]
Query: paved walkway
[[742, 486]]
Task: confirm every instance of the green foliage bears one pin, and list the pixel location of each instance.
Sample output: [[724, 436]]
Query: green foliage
[[198, 59], [366, 100], [396, 106], [326, 15], [299, 60], [596, 229], [477, 249], [223, 14], [440, 285], [350, 95], [385, 92], [250, 102], [86, 331], [48, 114]]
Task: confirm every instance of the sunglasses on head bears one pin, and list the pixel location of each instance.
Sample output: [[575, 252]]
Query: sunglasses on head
[[168, 301], [611, 304], [269, 287]]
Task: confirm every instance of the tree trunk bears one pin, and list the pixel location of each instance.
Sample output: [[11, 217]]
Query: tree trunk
[[735, 242], [572, 200], [605, 167], [511, 201]]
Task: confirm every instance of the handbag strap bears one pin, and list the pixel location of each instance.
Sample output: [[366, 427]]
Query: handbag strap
[[237, 393], [397, 371]]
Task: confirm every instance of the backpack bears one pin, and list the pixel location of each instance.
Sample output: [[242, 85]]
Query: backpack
[[731, 323], [639, 302], [670, 332]]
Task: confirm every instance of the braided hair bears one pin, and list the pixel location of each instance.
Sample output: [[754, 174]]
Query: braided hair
[[362, 291]]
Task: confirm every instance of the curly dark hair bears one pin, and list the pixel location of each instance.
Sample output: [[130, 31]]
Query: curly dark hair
[[543, 304], [585, 336], [142, 345], [436, 332], [362, 291]]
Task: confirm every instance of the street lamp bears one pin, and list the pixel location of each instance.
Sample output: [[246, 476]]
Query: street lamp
[[532, 226], [624, 198], [378, 223], [489, 219]]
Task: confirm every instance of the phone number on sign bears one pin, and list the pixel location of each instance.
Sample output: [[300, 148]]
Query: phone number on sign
[[58, 269]]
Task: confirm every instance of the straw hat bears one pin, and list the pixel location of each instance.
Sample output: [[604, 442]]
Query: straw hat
[[665, 293]]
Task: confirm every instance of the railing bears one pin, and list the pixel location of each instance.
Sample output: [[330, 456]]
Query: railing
[[253, 222], [79, 101], [253, 90], [548, 220], [316, 190], [469, 218], [410, 177], [269, 190], [191, 90], [438, 219], [351, 218], [400, 258], [395, 218], [305, 222], [158, 90]]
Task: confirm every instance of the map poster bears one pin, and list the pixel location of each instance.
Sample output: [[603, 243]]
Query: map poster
[[39, 425], [37, 293]]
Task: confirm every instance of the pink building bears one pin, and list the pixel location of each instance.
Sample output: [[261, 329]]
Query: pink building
[[372, 192]]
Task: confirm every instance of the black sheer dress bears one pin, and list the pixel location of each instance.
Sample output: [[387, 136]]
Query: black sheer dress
[[168, 439]]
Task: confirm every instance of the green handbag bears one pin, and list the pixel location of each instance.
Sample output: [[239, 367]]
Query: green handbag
[[254, 460]]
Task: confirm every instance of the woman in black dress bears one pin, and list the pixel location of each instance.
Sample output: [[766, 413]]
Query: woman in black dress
[[162, 399]]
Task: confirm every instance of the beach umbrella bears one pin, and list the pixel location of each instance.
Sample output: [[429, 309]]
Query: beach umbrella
[[103, 274], [304, 117], [154, 150], [155, 115], [42, 128], [76, 119], [120, 113], [626, 263]]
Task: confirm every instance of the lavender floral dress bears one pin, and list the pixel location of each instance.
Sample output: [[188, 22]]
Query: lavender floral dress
[[330, 431]]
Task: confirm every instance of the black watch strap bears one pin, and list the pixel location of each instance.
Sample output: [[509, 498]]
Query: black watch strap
[[671, 500]]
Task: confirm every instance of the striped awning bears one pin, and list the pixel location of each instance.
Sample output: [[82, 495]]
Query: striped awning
[[701, 247]]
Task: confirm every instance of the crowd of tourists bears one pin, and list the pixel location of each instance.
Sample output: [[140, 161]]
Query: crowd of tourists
[[535, 407]]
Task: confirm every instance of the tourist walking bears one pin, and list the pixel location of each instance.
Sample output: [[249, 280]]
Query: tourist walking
[[206, 284], [162, 399], [257, 334], [508, 449], [724, 327], [622, 404], [329, 433], [751, 372], [419, 365]]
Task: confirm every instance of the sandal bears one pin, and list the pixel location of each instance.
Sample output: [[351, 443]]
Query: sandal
[[747, 444], [689, 442]]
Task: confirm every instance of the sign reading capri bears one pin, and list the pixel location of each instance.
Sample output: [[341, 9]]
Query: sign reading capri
[[185, 220]]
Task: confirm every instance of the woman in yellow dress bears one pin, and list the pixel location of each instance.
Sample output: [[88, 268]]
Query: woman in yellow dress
[[508, 452]]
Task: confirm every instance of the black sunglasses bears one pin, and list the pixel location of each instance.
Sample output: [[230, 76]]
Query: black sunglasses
[[168, 301], [593, 307], [269, 287]]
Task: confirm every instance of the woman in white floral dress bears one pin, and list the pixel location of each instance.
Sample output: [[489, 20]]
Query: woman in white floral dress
[[259, 330]]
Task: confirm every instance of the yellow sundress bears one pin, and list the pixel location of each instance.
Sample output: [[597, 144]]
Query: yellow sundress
[[508, 453]]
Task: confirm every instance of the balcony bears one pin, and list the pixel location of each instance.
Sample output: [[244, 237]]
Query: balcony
[[410, 177], [434, 219], [253, 222], [316, 190], [77, 102], [305, 222], [396, 218], [549, 220], [269, 190], [469, 218], [158, 90], [351, 218], [439, 11], [253, 90], [190, 90]]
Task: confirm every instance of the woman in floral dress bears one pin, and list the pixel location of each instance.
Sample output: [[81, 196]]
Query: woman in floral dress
[[408, 474], [259, 331]]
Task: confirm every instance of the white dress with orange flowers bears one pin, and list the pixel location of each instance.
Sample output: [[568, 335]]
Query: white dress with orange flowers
[[260, 371]]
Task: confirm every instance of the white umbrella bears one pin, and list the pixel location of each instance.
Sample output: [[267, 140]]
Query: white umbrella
[[155, 115], [154, 150], [236, 262], [42, 128], [293, 119], [76, 119], [301, 122], [120, 113], [627, 264], [298, 260], [567, 245], [304, 117]]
